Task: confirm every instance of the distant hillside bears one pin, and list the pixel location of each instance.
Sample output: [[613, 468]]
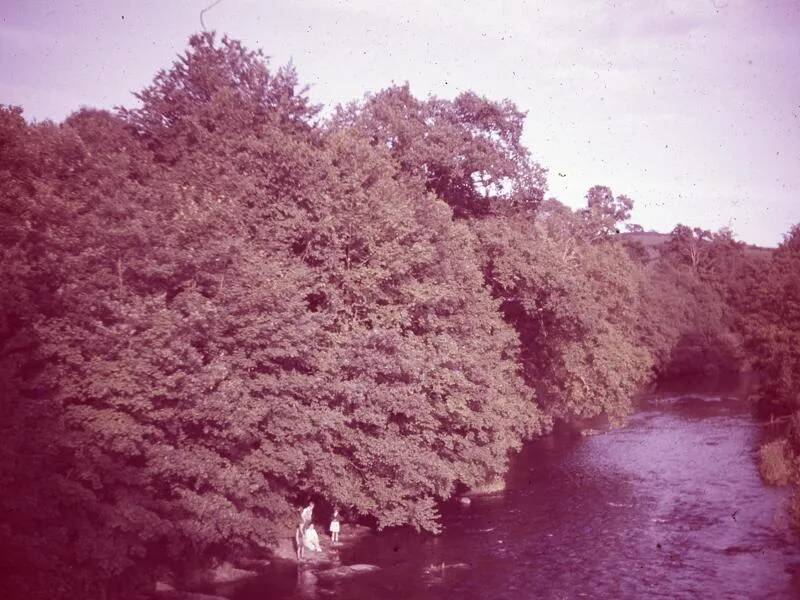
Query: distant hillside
[[758, 250], [651, 240]]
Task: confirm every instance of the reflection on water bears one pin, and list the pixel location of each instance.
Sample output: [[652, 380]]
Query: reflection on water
[[306, 584], [668, 506]]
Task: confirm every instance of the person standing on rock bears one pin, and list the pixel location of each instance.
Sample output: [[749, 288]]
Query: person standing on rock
[[307, 514], [335, 526], [311, 539]]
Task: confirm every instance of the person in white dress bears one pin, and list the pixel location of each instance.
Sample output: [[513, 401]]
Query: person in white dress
[[307, 514], [311, 539]]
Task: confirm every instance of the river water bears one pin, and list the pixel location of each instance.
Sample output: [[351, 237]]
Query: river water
[[669, 505]]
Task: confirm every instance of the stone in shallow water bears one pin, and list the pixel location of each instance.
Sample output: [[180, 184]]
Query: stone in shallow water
[[227, 573], [176, 595], [162, 586], [347, 571], [253, 564]]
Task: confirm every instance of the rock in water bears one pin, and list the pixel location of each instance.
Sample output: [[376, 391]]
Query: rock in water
[[227, 573], [492, 486], [347, 571], [162, 586], [224, 574], [253, 564], [177, 595], [465, 501]]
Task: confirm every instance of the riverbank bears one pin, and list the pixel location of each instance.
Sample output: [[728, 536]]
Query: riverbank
[[230, 578], [331, 554], [674, 492], [669, 505]]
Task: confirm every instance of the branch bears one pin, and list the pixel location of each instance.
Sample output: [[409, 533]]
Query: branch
[[206, 9]]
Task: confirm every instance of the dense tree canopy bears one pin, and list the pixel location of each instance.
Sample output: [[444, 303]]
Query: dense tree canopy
[[216, 307], [575, 306], [769, 317], [218, 303], [771, 321], [468, 151]]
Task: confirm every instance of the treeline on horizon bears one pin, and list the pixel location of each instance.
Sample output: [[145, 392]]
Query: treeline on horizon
[[220, 304]]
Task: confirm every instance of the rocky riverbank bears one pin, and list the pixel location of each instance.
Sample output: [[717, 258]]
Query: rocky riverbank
[[224, 580]]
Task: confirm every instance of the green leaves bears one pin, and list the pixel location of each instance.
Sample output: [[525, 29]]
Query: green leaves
[[218, 307], [770, 320], [467, 151], [215, 305], [575, 305], [418, 383]]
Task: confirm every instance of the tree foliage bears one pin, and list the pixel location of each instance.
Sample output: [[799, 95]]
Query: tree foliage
[[769, 317], [771, 321], [468, 151], [217, 303], [216, 307], [575, 306]]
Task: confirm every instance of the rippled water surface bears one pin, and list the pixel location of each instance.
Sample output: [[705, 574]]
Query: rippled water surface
[[668, 506]]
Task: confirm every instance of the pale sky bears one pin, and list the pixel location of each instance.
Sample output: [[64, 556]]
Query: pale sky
[[691, 108]]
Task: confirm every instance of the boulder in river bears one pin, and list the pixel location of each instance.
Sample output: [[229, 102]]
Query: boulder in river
[[163, 586], [492, 486], [224, 574], [253, 564], [347, 571], [177, 595], [227, 573]]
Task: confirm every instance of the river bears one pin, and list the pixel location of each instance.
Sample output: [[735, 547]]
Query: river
[[669, 505]]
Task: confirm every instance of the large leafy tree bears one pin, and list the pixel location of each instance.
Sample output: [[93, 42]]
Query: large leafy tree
[[709, 274], [571, 305], [604, 213], [143, 369], [575, 304], [419, 385], [159, 315], [771, 323], [689, 246], [216, 308], [468, 151]]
